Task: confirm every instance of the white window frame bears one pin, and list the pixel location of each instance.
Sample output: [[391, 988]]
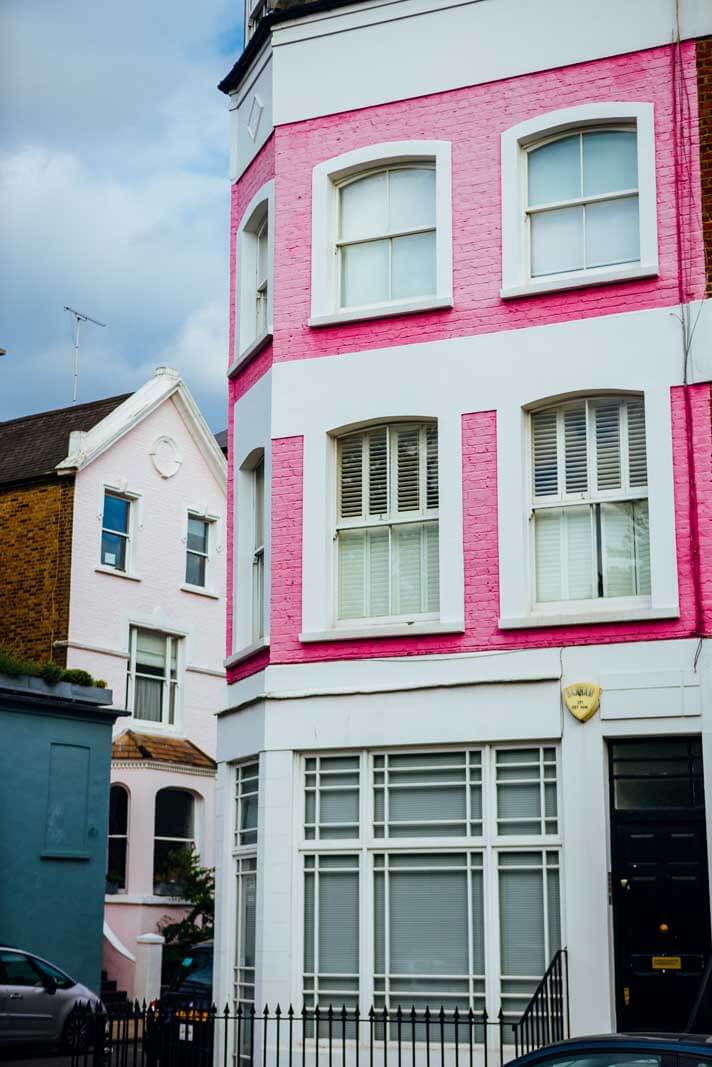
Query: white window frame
[[245, 640], [389, 521], [326, 179], [133, 525], [247, 339], [518, 608], [244, 864], [319, 576], [212, 548], [517, 141], [174, 653], [490, 844]]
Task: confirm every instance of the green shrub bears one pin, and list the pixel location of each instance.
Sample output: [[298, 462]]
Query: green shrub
[[77, 677], [51, 673]]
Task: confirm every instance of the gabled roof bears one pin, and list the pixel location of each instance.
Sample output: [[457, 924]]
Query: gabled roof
[[165, 384], [32, 446], [134, 746]]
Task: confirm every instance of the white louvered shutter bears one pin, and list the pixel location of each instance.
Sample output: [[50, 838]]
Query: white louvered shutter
[[431, 467], [564, 548], [407, 449], [608, 444], [351, 476], [545, 453], [637, 456], [576, 448], [378, 471]]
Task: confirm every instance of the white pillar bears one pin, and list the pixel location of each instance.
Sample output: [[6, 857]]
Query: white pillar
[[149, 960], [274, 881]]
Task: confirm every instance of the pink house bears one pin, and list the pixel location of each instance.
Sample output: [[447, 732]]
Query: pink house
[[470, 466], [146, 614]]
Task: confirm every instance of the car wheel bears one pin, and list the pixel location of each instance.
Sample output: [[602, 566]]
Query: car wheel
[[77, 1034]]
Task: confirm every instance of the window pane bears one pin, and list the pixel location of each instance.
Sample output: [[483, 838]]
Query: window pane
[[338, 922], [625, 548], [521, 903], [563, 540], [116, 513], [113, 551], [608, 448], [174, 814], [148, 697], [116, 865], [118, 810], [364, 274], [612, 232], [18, 970], [610, 161], [259, 490], [407, 569], [248, 910], [413, 266], [554, 171], [377, 473], [428, 917], [412, 198], [197, 535], [151, 649], [363, 573], [170, 860], [557, 241], [363, 207], [195, 569]]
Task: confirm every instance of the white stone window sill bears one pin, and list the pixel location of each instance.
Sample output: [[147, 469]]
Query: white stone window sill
[[644, 612], [252, 349], [245, 652], [393, 629], [382, 311], [144, 898], [118, 574], [579, 280], [199, 591]]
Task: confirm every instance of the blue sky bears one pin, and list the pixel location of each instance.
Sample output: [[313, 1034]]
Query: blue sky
[[114, 196]]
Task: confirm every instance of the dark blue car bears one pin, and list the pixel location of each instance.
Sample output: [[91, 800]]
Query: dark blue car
[[623, 1050]]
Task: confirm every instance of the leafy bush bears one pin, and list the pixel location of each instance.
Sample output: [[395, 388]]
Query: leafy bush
[[77, 677], [198, 889]]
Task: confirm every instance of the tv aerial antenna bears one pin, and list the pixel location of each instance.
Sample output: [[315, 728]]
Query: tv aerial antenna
[[79, 317]]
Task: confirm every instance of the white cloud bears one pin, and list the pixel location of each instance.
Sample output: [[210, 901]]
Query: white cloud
[[113, 196]]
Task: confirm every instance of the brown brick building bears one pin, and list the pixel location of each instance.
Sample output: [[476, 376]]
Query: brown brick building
[[36, 506]]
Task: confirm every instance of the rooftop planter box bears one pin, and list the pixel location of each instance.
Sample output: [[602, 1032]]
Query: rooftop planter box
[[78, 694]]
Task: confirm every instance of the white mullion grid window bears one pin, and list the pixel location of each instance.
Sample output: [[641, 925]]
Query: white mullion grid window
[[387, 545], [244, 858], [258, 552], [246, 804], [417, 875], [589, 511], [386, 243], [582, 213], [152, 689]]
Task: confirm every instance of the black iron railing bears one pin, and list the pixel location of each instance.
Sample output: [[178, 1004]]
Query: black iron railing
[[546, 1017], [200, 1036]]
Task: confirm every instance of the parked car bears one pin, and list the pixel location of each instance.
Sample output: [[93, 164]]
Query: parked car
[[38, 1001], [179, 1027], [623, 1050]]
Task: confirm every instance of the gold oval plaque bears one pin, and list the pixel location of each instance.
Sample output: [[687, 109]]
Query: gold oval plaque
[[582, 699]]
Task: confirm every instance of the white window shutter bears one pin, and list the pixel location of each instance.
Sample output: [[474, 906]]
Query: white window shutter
[[378, 471], [431, 466], [408, 467], [351, 476], [352, 565], [545, 453], [637, 458], [608, 444], [575, 448]]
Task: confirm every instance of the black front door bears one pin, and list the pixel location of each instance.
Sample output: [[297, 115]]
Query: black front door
[[660, 893]]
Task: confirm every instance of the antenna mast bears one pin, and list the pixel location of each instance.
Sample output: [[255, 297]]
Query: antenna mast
[[79, 318]]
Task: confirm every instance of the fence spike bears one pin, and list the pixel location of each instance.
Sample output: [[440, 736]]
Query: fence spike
[[278, 1010], [226, 1013], [290, 1013]]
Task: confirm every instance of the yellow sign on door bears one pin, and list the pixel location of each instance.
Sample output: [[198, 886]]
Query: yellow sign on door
[[667, 963]]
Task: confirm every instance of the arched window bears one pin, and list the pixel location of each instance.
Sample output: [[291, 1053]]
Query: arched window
[[254, 248], [387, 522], [582, 201], [386, 238], [174, 840], [118, 839], [590, 500]]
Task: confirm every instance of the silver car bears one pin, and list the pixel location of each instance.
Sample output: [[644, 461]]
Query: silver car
[[37, 1003]]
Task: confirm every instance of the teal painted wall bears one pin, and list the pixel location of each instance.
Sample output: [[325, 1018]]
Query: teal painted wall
[[54, 802]]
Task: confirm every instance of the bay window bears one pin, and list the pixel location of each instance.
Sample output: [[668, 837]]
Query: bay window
[[387, 522], [152, 681], [174, 840], [255, 255], [590, 500], [395, 903]]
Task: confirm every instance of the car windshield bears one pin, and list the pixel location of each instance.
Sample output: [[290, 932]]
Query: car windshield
[[196, 971], [608, 1058]]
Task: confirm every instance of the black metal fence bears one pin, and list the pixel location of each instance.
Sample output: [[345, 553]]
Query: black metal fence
[[194, 1036]]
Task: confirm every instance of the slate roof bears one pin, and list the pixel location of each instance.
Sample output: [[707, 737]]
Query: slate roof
[[131, 745], [221, 439], [32, 446]]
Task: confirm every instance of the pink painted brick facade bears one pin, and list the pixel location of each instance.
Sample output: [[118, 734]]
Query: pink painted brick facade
[[473, 119]]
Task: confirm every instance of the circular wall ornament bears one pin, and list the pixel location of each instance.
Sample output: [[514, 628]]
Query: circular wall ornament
[[165, 456]]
